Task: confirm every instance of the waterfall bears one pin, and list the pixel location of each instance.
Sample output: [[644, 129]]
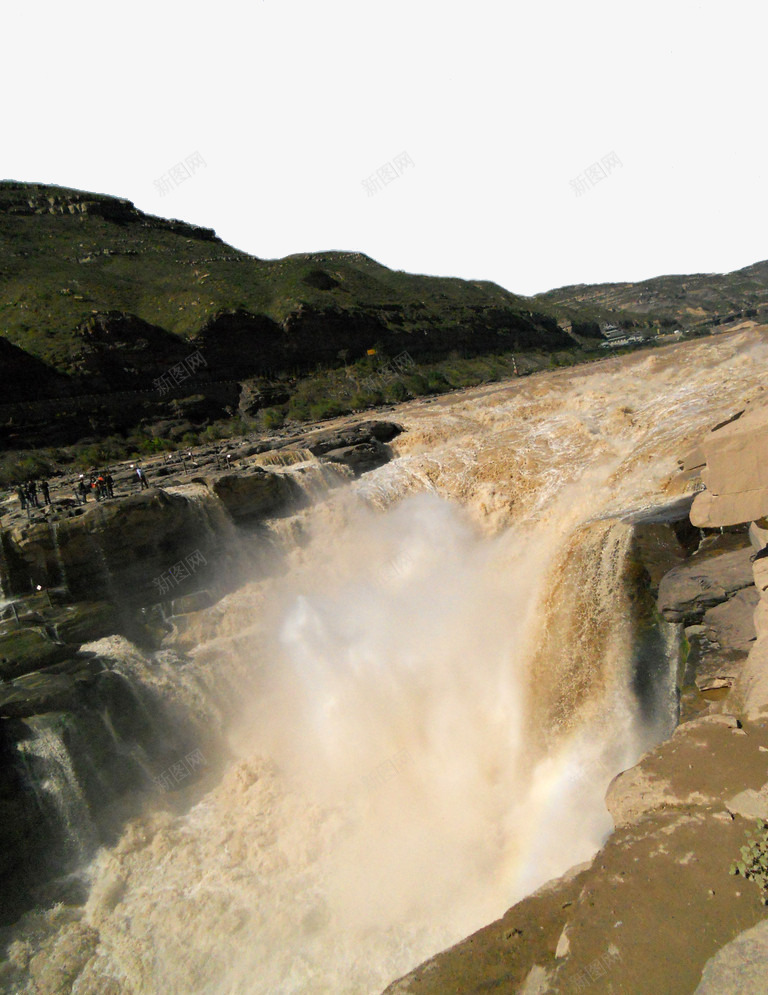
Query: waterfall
[[443, 675], [59, 558], [285, 457], [216, 524], [57, 788]]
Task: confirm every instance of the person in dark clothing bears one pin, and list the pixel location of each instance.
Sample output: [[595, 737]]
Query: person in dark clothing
[[21, 493], [32, 493], [108, 480], [45, 492], [83, 489]]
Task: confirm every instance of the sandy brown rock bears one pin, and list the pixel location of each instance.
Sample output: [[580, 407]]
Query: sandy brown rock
[[749, 695], [740, 967], [736, 472], [656, 904]]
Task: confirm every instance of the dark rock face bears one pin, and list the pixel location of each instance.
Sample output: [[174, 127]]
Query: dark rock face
[[26, 649], [87, 746], [254, 396], [706, 579], [85, 622], [52, 688], [254, 494], [119, 548], [240, 344], [328, 440], [655, 550], [22, 375], [121, 352]]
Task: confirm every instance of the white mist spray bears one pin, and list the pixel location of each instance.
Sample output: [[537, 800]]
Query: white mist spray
[[397, 695]]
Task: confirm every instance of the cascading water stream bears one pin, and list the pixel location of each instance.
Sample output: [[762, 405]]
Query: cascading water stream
[[439, 681], [62, 800]]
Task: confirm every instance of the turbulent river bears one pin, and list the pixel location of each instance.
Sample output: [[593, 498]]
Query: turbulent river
[[427, 703]]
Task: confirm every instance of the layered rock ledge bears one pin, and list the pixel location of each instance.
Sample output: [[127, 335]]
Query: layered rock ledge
[[84, 584]]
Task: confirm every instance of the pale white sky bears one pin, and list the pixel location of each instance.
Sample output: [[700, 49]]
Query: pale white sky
[[292, 104]]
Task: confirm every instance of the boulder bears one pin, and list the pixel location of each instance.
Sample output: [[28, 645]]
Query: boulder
[[254, 494], [327, 440], [758, 534], [52, 689], [736, 471], [85, 622], [732, 624], [750, 804], [706, 579], [760, 574], [749, 694], [360, 458], [760, 618], [25, 650], [740, 967]]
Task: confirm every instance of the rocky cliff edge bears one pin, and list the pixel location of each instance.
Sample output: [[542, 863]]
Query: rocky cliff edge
[[657, 910]]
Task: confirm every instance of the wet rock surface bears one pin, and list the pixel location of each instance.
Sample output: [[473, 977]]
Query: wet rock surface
[[157, 559], [122, 545], [706, 579]]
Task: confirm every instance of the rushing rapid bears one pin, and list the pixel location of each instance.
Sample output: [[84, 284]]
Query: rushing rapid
[[426, 702]]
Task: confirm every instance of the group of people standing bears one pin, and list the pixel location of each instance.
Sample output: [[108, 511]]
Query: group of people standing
[[28, 496], [102, 485], [36, 493]]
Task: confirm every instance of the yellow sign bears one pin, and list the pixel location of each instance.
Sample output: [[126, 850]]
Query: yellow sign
[[371, 352]]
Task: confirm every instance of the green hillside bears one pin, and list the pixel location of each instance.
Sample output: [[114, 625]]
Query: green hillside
[[101, 303], [695, 303], [66, 255]]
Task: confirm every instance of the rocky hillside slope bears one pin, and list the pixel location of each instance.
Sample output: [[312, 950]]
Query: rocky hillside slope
[[698, 302], [97, 298]]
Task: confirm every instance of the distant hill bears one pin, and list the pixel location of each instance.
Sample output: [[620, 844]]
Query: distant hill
[[101, 307], [67, 256], [97, 297], [694, 303]]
